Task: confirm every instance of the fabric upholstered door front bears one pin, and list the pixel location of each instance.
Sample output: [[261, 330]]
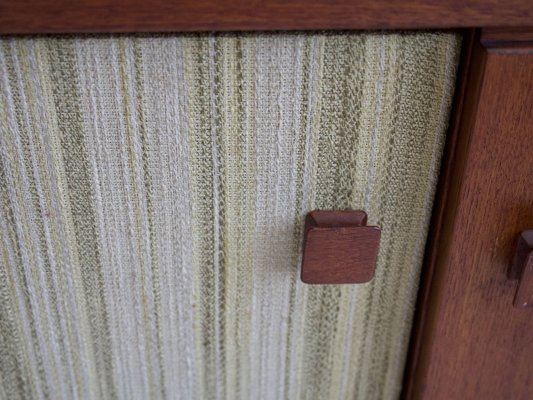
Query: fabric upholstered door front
[[153, 190]]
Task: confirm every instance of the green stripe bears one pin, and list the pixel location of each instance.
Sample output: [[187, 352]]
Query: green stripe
[[15, 373], [158, 389], [12, 50], [201, 159], [61, 58]]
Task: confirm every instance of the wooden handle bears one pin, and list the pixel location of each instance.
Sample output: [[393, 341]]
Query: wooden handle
[[339, 248], [522, 270]]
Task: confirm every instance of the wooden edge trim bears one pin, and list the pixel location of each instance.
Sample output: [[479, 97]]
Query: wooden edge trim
[[102, 16], [469, 78], [504, 37]]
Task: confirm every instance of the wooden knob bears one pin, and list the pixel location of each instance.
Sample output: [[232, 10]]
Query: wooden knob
[[522, 270], [339, 248]]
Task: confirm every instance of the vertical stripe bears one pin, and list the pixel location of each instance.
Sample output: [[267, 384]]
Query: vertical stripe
[[28, 227], [103, 148], [63, 78], [18, 349], [167, 154], [234, 177], [244, 225], [57, 233], [218, 172], [199, 127]]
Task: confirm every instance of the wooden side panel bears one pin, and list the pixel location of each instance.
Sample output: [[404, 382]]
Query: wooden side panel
[[59, 16], [472, 343]]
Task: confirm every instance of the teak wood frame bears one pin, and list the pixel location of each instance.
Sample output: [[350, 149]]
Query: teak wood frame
[[468, 340], [484, 198]]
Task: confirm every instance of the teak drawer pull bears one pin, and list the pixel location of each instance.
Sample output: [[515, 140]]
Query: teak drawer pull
[[522, 270], [339, 248]]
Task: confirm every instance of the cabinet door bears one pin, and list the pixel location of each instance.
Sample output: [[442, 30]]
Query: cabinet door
[[471, 342], [153, 190]]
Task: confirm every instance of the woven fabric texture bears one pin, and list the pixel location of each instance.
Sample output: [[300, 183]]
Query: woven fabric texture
[[153, 190]]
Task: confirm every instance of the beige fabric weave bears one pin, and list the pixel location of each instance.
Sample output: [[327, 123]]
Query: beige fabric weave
[[152, 196]]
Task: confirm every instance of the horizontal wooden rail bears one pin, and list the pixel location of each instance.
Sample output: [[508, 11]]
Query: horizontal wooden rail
[[62, 16]]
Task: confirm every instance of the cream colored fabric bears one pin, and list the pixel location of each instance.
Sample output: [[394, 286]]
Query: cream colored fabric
[[152, 196]]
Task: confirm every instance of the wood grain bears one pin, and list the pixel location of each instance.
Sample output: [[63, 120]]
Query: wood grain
[[473, 344], [339, 248], [507, 39], [63, 16]]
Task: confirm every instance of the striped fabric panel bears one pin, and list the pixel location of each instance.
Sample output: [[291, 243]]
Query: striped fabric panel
[[152, 194]]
